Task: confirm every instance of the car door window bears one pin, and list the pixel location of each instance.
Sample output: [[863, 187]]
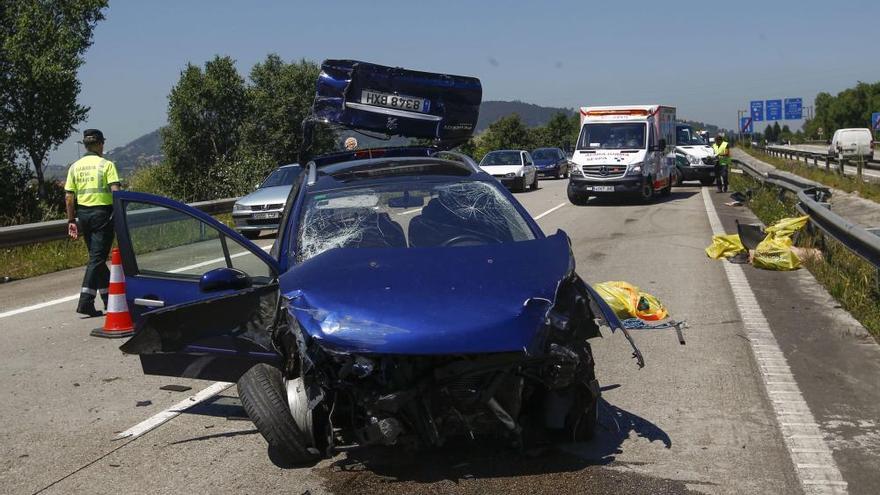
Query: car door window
[[168, 243], [527, 159]]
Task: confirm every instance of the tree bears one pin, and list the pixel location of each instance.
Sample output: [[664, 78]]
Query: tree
[[280, 98], [561, 131], [43, 42], [505, 133], [206, 110]]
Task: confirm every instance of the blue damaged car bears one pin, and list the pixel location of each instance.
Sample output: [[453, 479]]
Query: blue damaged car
[[393, 308]]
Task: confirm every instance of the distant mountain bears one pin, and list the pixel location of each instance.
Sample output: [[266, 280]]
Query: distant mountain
[[145, 150], [532, 115]]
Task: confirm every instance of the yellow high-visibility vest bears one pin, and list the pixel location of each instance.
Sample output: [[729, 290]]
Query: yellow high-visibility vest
[[722, 153], [90, 178]]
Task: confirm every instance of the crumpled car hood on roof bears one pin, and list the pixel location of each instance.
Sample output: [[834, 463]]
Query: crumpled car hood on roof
[[459, 300]]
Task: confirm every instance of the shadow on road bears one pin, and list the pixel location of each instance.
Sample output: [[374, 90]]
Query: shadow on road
[[675, 195], [480, 467]]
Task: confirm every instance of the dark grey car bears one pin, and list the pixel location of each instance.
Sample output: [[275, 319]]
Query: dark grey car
[[261, 209]]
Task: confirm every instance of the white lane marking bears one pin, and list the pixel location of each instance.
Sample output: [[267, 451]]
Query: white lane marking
[[807, 434], [409, 212], [63, 300], [172, 412], [39, 306], [551, 210]]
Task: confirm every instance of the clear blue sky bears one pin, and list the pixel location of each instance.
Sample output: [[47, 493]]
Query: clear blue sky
[[708, 61]]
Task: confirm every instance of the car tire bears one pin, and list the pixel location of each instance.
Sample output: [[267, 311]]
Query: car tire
[[647, 192], [578, 199], [251, 234], [535, 183], [263, 396], [522, 186], [707, 182]]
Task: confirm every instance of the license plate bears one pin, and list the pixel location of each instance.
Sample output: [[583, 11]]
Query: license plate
[[268, 214], [601, 188], [711, 174], [399, 102]]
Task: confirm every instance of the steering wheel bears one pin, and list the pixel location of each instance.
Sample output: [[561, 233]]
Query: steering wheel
[[474, 239]]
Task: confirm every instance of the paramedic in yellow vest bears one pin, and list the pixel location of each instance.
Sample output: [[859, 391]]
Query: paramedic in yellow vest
[[91, 181], [722, 167]]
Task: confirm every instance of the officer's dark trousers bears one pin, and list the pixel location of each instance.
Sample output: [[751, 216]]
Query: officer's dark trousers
[[721, 177], [96, 227]]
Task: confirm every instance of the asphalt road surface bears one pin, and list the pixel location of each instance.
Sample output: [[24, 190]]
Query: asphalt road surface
[[773, 396]]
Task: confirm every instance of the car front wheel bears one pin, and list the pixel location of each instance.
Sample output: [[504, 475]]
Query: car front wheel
[[264, 398]]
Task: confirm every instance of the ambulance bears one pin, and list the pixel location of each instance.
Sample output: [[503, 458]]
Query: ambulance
[[624, 151]]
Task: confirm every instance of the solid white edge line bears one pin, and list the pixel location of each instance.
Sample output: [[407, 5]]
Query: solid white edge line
[[62, 300], [551, 210], [805, 434], [39, 306], [172, 412]]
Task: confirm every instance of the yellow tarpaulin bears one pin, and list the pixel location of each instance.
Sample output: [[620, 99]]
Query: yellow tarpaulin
[[774, 252], [725, 246], [628, 301]]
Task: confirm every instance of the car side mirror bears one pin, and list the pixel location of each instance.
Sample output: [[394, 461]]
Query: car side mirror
[[661, 145], [224, 279]]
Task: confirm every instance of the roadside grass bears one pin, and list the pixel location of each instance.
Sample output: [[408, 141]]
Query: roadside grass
[[849, 279], [867, 190], [39, 259]]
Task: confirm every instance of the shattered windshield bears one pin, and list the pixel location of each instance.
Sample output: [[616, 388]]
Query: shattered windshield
[[409, 214]]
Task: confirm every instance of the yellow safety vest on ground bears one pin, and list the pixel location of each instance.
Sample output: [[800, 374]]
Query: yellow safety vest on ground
[[90, 178], [722, 153]]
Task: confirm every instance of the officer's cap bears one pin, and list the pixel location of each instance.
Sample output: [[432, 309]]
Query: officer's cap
[[91, 136]]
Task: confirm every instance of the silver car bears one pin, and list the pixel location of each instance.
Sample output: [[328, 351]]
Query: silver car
[[261, 209]]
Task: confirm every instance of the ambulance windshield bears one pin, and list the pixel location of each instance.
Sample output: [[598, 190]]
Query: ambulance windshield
[[612, 136]]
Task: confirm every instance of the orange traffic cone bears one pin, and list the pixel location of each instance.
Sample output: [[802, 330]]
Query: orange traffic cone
[[118, 321]]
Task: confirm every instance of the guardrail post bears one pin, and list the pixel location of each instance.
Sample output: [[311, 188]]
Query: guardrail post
[[828, 162], [815, 161]]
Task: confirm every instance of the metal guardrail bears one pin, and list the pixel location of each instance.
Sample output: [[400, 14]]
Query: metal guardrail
[[33, 233], [811, 196], [816, 156]]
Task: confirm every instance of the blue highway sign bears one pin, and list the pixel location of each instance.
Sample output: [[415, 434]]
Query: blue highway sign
[[757, 107], [745, 124], [794, 109], [774, 109]]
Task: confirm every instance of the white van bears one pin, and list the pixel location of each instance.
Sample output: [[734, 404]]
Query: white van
[[623, 150], [853, 143]]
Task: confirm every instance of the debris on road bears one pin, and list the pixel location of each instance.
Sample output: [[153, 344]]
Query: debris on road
[[144, 403], [775, 252], [628, 301], [725, 246], [175, 388]]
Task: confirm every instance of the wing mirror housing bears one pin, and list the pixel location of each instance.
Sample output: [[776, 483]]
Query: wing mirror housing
[[224, 278], [661, 145]]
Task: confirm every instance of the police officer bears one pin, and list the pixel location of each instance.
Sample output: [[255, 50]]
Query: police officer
[[90, 183], [723, 165]]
